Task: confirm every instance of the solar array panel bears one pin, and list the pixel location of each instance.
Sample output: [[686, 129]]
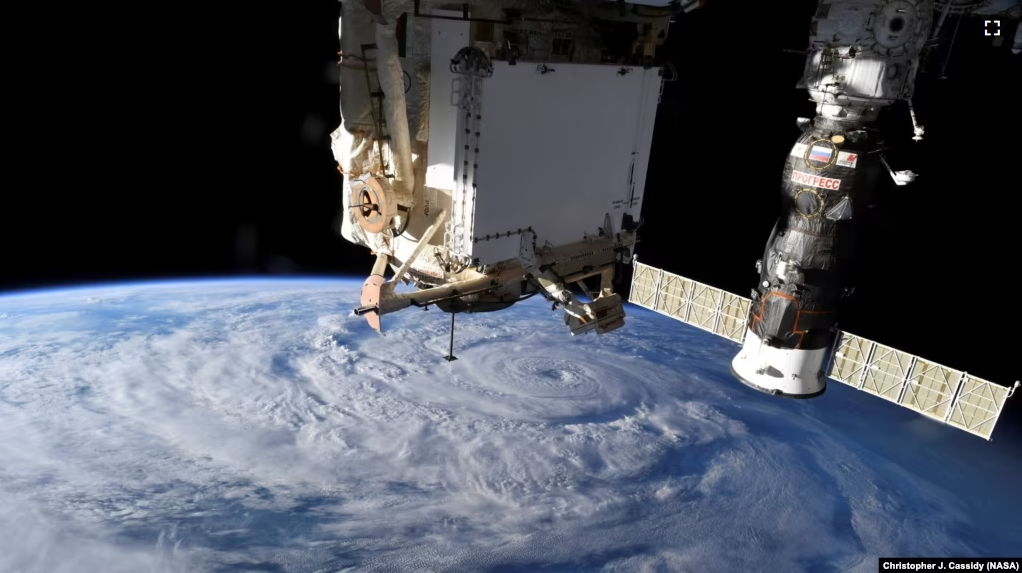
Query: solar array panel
[[944, 394]]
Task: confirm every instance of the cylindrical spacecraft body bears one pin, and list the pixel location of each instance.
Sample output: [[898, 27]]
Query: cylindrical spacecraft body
[[809, 263], [863, 56]]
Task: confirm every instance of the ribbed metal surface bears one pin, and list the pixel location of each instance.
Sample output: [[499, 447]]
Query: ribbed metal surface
[[944, 394]]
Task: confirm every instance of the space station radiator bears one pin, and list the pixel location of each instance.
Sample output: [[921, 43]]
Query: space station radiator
[[944, 394]]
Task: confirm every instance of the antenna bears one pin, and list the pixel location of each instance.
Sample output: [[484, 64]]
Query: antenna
[[450, 353], [935, 391], [949, 48]]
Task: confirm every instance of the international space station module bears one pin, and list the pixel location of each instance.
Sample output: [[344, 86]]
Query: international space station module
[[492, 150], [496, 151], [863, 56]]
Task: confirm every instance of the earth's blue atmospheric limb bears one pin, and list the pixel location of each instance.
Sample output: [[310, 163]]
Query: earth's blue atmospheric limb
[[256, 426]]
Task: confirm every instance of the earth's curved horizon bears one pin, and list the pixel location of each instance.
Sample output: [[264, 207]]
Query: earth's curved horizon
[[254, 424]]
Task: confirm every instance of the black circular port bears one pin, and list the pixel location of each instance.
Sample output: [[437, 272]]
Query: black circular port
[[808, 203], [897, 24]]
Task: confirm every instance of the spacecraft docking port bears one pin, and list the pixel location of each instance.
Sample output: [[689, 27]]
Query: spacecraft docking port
[[499, 151], [863, 56]]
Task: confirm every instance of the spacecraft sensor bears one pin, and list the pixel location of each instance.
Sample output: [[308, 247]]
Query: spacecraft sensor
[[474, 168], [863, 56]]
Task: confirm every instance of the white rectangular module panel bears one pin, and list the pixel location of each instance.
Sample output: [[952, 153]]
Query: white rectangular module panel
[[448, 36], [938, 392], [560, 147]]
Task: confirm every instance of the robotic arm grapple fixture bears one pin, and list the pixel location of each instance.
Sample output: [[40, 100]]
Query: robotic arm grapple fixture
[[863, 56]]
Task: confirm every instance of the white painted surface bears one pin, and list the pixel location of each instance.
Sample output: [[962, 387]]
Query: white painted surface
[[556, 151], [496, 250], [449, 36], [794, 372]]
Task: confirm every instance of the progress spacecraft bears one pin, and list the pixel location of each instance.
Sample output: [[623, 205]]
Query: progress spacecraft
[[496, 149]]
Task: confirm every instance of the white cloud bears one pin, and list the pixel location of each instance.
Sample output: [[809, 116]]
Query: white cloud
[[258, 424]]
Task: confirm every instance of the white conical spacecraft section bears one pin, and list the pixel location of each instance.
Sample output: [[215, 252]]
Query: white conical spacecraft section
[[863, 56]]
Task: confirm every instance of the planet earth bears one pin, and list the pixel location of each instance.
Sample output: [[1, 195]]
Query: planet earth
[[257, 425]]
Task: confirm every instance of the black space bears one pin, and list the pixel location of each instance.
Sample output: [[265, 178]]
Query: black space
[[145, 142]]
